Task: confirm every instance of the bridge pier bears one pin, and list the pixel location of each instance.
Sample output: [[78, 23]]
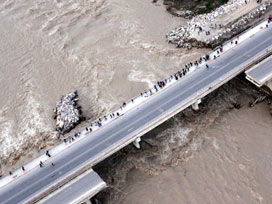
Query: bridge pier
[[137, 142], [88, 201], [195, 105]]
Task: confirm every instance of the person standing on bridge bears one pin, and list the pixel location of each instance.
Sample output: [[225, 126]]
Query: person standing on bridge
[[221, 48], [47, 153], [269, 19]]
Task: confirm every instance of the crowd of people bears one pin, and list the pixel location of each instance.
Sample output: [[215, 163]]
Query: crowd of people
[[159, 85]]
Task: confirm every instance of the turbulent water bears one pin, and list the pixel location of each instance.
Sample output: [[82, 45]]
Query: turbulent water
[[111, 50], [233, 165], [216, 155], [108, 50]]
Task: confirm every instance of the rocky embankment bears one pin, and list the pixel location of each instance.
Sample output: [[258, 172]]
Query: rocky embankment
[[188, 9], [206, 31], [67, 113]]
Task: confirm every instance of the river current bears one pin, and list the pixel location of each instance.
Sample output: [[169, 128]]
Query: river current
[[109, 51]]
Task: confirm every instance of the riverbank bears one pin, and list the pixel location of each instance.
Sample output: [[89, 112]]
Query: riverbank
[[214, 28], [188, 9]]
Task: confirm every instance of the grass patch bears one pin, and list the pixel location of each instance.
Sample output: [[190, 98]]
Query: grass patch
[[197, 6]]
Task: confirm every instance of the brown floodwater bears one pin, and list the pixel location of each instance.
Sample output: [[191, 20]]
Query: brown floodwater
[[109, 51], [232, 166], [217, 155]]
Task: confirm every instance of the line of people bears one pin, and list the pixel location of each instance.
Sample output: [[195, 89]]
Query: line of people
[[41, 164], [160, 84]]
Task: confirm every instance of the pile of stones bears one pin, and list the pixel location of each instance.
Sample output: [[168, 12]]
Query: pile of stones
[[238, 26], [67, 113], [186, 36], [180, 13]]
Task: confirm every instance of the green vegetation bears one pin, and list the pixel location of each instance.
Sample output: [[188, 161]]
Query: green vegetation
[[196, 6]]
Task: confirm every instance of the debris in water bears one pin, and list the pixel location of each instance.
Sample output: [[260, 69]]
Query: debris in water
[[258, 100], [67, 113]]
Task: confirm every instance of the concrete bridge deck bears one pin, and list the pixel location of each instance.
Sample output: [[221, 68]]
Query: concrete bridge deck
[[79, 190], [261, 73], [80, 157]]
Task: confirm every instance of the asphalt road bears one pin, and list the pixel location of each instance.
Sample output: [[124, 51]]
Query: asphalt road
[[262, 72], [115, 135], [79, 191]]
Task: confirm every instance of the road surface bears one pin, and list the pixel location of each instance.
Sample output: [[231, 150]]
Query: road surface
[[261, 73], [80, 190], [115, 135]]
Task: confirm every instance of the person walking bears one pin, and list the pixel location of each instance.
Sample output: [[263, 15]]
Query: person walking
[[52, 163], [207, 66], [47, 153], [41, 164], [23, 168]]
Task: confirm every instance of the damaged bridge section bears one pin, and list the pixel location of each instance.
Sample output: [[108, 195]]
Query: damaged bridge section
[[261, 73], [79, 190]]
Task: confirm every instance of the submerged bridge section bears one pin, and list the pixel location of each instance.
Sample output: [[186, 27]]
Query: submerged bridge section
[[79, 158]]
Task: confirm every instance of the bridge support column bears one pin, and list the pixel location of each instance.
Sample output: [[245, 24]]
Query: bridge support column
[[88, 201], [137, 142], [195, 105]]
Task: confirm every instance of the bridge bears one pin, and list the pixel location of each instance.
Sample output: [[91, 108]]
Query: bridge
[[73, 165], [260, 74]]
